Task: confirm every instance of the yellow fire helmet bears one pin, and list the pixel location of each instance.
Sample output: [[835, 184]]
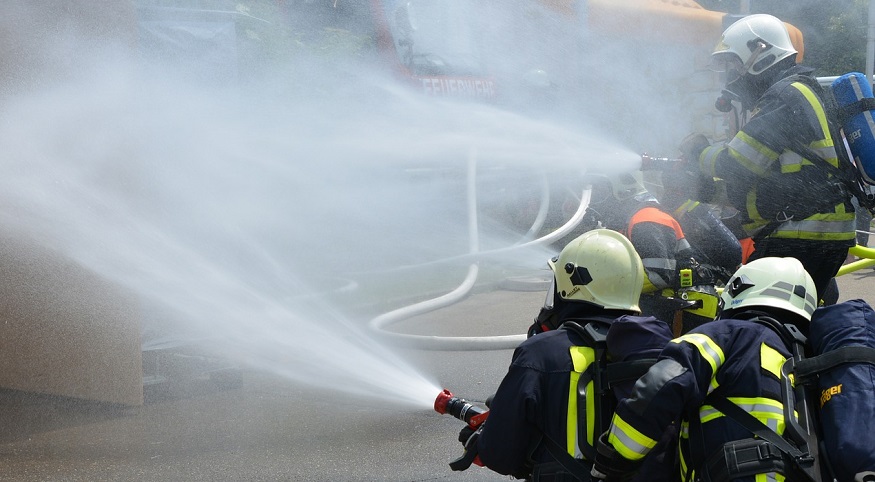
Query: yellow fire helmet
[[600, 267]]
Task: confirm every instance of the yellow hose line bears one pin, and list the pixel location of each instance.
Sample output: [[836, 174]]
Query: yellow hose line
[[867, 259]]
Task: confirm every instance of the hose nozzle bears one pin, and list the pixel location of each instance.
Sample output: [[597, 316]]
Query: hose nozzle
[[650, 163], [447, 403]]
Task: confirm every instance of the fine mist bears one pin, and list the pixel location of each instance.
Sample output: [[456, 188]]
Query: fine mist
[[247, 217]]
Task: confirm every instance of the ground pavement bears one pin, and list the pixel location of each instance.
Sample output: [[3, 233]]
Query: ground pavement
[[271, 429]]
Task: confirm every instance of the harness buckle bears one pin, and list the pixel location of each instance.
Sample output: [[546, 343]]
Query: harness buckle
[[783, 217]]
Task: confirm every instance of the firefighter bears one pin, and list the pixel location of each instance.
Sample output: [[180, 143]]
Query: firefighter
[[735, 356], [533, 424], [716, 241], [775, 168], [673, 268]]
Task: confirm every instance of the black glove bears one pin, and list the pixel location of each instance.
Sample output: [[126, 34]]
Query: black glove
[[610, 466], [466, 433], [468, 437], [692, 146]]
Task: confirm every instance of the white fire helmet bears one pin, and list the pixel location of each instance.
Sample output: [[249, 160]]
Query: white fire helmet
[[779, 283], [600, 267], [751, 45]]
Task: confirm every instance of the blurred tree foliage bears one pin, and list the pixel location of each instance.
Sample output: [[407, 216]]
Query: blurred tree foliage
[[834, 31]]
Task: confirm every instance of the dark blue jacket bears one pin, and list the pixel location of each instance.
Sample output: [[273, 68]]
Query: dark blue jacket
[[740, 358], [533, 397]]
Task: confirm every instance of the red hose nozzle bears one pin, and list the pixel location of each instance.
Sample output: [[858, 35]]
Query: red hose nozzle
[[447, 403], [440, 403]]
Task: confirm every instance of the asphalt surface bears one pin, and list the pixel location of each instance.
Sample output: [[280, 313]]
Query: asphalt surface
[[271, 429]]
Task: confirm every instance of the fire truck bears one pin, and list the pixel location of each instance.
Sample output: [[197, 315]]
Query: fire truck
[[639, 63]]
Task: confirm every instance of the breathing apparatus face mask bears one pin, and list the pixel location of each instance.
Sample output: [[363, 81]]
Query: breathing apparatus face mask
[[548, 318], [741, 84]]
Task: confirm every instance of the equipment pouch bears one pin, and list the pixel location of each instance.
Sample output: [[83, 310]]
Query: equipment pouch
[[744, 458]]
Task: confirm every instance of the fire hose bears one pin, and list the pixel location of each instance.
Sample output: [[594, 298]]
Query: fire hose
[[500, 342]]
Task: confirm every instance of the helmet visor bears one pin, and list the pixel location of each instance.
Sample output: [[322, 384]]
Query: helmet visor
[[727, 62], [550, 299]]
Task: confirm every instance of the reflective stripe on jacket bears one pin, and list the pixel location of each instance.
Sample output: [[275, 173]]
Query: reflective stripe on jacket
[[767, 179]]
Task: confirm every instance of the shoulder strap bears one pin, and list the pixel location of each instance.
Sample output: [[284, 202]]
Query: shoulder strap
[[754, 425], [790, 335], [593, 332]]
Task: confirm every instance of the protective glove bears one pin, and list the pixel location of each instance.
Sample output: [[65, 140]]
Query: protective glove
[[609, 465], [692, 146], [468, 437], [466, 433]]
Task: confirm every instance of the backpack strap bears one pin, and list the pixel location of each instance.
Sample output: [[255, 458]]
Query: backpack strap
[[756, 427], [619, 372], [844, 113], [571, 465], [595, 335], [808, 369]]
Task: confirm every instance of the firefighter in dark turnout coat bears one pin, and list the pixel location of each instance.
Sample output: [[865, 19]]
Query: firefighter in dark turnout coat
[[597, 280], [777, 168], [622, 203], [734, 356]]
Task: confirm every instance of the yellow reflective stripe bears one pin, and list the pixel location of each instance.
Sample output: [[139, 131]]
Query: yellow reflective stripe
[[709, 350], [771, 360], [708, 160], [826, 150], [648, 286], [769, 412], [571, 419], [766, 410], [815, 104], [581, 358], [751, 153], [830, 226], [684, 469], [684, 208], [790, 162], [627, 441], [770, 477]]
